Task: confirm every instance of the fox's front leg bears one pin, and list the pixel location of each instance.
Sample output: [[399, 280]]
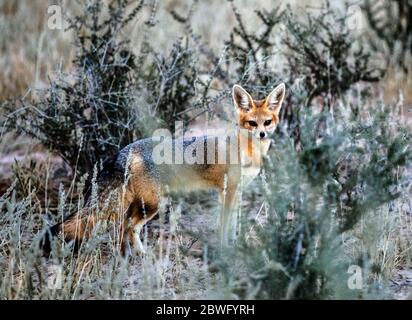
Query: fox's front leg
[[228, 216]]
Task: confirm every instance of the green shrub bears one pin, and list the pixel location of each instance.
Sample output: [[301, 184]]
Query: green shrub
[[312, 197], [86, 117], [325, 173], [328, 57]]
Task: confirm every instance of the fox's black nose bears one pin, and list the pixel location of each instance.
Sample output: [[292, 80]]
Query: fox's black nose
[[262, 134]]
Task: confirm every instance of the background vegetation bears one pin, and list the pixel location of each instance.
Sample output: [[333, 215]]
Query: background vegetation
[[335, 188]]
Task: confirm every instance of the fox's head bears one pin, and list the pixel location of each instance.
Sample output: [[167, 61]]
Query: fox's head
[[258, 116]]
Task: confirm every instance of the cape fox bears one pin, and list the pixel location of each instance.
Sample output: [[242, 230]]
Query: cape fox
[[130, 185]]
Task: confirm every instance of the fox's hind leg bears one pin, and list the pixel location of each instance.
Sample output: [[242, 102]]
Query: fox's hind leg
[[140, 213]]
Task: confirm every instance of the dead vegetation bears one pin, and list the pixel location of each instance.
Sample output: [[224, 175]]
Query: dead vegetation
[[334, 192]]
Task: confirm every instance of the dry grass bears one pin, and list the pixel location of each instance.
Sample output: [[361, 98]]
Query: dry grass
[[176, 265], [30, 51], [167, 271]]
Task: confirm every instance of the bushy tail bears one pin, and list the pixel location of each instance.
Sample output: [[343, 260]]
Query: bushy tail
[[80, 224], [75, 227]]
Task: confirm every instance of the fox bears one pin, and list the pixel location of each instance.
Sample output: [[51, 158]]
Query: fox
[[131, 184]]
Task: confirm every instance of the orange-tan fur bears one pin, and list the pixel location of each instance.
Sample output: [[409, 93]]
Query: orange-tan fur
[[134, 198]]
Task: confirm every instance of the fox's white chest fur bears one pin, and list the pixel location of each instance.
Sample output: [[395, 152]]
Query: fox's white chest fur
[[252, 160]]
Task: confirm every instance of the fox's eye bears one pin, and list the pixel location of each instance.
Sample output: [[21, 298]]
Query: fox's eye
[[268, 122], [253, 123]]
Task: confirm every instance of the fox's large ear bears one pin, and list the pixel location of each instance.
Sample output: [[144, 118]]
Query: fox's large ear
[[242, 99], [275, 98]]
